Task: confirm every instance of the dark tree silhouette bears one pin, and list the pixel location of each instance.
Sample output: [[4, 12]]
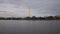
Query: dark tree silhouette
[[49, 18], [27, 18], [34, 18]]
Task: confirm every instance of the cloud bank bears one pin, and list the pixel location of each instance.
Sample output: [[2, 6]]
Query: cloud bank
[[19, 8]]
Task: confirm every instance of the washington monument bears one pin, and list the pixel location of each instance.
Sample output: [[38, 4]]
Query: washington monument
[[29, 11]]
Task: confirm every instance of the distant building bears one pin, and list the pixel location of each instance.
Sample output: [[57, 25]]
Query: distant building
[[29, 11]]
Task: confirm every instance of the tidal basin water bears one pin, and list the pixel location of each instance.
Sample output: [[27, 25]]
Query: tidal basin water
[[29, 27]]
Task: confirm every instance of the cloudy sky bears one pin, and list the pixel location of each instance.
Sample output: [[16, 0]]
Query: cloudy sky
[[19, 8]]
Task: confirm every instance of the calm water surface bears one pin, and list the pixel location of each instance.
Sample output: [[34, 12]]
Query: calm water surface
[[29, 27]]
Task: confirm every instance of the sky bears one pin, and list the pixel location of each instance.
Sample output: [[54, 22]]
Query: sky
[[19, 8]]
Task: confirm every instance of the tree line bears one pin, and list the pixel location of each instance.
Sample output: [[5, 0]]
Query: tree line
[[32, 18]]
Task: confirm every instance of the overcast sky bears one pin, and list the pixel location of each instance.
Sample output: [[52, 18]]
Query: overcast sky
[[19, 8]]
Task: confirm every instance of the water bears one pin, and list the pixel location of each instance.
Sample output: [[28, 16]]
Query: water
[[29, 27]]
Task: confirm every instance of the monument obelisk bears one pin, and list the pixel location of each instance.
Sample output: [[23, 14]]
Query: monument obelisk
[[29, 11]]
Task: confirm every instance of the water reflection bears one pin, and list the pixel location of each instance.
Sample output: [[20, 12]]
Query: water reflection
[[29, 27]]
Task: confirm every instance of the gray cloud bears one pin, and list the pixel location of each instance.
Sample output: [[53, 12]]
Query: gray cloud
[[19, 8]]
